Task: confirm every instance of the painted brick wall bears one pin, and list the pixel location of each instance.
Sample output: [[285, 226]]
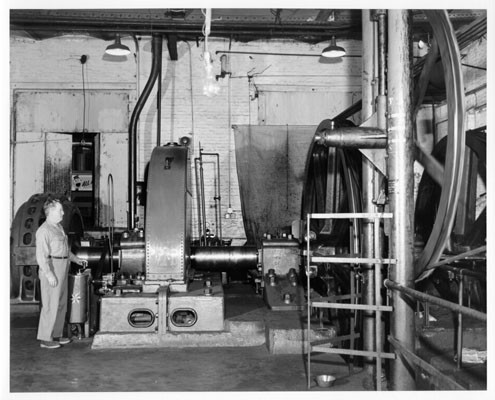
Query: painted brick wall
[[185, 110]]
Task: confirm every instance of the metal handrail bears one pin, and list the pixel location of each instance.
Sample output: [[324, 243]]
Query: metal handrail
[[435, 300], [455, 307]]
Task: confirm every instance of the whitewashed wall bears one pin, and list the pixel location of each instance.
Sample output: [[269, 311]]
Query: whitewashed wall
[[186, 111], [208, 120]]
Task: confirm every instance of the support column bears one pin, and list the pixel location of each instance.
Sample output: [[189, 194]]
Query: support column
[[401, 184]]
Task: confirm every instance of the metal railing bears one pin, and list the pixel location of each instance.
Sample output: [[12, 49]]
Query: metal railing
[[458, 308], [377, 308]]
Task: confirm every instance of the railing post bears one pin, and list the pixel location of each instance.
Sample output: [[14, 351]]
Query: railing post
[[459, 322], [308, 264]]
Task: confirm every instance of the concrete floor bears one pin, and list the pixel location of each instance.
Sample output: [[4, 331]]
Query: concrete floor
[[79, 368], [278, 365]]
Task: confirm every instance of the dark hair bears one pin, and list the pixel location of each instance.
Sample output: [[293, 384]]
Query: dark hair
[[49, 204]]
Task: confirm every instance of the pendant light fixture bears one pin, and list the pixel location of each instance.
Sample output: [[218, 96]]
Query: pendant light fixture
[[117, 48], [333, 51]]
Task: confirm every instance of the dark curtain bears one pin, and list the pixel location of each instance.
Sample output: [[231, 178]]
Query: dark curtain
[[270, 168]]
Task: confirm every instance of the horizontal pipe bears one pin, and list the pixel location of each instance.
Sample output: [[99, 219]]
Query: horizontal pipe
[[435, 300], [351, 352], [448, 382], [351, 306], [139, 29], [462, 256], [264, 53], [353, 137], [226, 258], [464, 272]]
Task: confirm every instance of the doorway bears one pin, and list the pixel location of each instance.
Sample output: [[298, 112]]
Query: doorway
[[82, 177]]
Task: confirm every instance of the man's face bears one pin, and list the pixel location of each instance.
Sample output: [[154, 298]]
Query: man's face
[[56, 214]]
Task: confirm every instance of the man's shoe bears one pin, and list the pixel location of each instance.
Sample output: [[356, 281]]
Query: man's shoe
[[49, 344], [64, 340]]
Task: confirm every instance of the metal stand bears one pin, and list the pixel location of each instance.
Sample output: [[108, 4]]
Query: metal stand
[[377, 307]]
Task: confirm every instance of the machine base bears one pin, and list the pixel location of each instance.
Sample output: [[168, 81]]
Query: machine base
[[284, 296], [200, 309], [250, 335]]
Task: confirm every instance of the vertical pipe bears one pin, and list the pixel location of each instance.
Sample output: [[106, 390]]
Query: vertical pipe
[[157, 42], [382, 67], [138, 92], [381, 107], [308, 291], [352, 336], [198, 197], [426, 315], [159, 104], [219, 197], [368, 100], [111, 219], [401, 182], [378, 316], [202, 187]]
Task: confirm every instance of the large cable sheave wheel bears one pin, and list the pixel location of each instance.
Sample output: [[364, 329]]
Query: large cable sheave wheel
[[332, 184], [449, 177], [429, 193], [455, 140]]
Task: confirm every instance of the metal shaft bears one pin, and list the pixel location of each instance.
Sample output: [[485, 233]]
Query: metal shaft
[[224, 258], [353, 137], [401, 185]]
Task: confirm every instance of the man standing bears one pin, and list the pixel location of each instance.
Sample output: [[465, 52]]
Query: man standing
[[53, 256]]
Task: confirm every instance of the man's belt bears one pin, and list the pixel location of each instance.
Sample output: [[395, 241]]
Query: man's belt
[[58, 258]]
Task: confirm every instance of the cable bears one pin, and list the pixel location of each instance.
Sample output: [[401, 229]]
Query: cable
[[191, 90], [83, 61], [229, 122]]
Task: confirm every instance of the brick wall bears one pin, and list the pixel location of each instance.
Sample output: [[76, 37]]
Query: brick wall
[[185, 110]]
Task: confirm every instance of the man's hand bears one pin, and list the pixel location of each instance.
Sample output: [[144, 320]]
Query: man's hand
[[81, 262], [52, 279]]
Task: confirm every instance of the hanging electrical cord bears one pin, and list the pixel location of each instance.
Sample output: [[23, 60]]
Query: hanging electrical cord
[[229, 130], [191, 90]]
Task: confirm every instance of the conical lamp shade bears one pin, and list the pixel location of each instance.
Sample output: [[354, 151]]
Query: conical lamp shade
[[333, 51], [117, 48]]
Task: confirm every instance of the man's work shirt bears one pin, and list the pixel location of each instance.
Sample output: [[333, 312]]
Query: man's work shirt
[[51, 241]]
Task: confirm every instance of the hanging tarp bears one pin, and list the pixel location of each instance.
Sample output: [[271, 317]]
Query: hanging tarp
[[270, 167]]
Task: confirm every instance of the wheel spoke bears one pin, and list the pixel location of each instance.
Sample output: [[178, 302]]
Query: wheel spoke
[[430, 164]]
